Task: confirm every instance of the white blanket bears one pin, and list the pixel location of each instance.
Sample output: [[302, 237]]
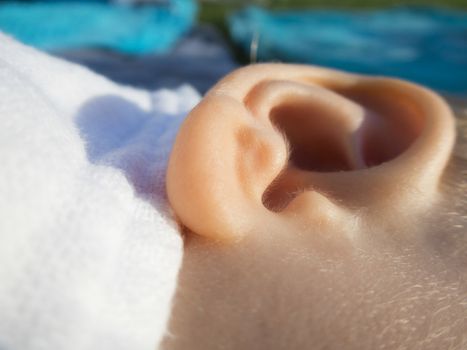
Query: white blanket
[[89, 253]]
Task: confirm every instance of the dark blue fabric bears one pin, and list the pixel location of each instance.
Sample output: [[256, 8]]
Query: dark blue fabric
[[200, 59], [426, 45], [65, 25]]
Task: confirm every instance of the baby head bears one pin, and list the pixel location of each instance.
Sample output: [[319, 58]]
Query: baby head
[[322, 211]]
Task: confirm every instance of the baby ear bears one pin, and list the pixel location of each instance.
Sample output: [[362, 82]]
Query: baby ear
[[280, 144]]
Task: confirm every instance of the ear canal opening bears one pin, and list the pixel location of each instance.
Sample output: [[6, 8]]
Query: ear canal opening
[[281, 192]]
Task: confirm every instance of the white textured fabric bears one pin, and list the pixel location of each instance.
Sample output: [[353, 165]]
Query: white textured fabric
[[89, 253]]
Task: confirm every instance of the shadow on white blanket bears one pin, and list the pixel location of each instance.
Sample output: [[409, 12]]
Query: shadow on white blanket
[[89, 253]]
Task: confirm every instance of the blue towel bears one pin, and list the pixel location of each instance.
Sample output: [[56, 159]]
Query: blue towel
[[67, 25], [426, 45]]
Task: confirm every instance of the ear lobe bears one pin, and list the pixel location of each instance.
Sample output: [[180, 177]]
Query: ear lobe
[[280, 144]]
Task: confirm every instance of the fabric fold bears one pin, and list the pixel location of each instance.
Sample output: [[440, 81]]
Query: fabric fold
[[89, 250]]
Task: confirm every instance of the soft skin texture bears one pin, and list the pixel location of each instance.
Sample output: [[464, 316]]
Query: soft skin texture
[[321, 212]]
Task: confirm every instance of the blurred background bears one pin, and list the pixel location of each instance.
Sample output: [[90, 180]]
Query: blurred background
[[166, 43]]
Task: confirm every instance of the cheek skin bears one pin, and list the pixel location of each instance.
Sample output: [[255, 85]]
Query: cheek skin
[[279, 292]]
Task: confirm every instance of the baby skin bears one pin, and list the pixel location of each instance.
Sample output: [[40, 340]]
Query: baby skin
[[321, 210]]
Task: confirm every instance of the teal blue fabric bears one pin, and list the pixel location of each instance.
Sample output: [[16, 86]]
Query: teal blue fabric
[[69, 25], [426, 45]]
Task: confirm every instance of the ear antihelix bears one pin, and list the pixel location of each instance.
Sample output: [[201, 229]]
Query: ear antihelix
[[262, 153]]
